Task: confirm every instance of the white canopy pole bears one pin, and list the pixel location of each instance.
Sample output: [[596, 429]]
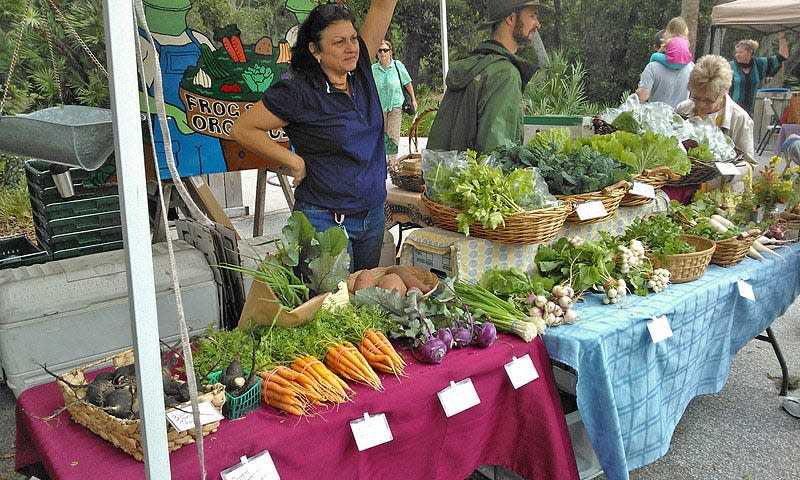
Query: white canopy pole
[[445, 55], [124, 91]]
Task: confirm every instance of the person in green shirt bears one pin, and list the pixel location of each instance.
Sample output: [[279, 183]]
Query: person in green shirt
[[391, 77], [482, 106]]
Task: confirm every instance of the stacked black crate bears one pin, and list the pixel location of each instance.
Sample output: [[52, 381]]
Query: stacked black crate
[[87, 222]]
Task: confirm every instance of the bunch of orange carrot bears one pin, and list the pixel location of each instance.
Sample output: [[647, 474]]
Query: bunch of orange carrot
[[380, 354]]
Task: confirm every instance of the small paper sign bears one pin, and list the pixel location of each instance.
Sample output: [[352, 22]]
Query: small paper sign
[[746, 290], [590, 210], [182, 420], [458, 397], [727, 168], [521, 371], [258, 467], [370, 431], [197, 181], [659, 329], [643, 190]]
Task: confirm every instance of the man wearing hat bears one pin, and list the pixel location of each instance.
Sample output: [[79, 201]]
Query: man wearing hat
[[482, 106]]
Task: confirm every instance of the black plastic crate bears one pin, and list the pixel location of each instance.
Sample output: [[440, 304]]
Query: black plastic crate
[[38, 173], [48, 195], [75, 208], [87, 250], [61, 226], [57, 243], [18, 251]]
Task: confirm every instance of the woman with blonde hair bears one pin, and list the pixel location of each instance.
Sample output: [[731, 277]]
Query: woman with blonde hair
[[391, 77], [749, 71]]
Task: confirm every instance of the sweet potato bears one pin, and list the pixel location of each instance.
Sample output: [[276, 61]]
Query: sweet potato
[[364, 279], [392, 281], [408, 277]]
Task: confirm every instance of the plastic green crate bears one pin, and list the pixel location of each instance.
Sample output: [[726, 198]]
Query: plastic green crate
[[75, 208], [61, 226], [18, 251], [245, 403], [38, 173], [71, 240], [88, 250], [50, 195]]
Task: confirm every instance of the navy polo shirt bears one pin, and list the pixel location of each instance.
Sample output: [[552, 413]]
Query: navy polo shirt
[[340, 138]]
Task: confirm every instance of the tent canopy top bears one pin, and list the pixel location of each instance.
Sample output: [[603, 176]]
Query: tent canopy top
[[765, 16]]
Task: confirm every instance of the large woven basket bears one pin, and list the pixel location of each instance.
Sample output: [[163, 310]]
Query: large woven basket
[[685, 267], [657, 178], [127, 434], [534, 226], [610, 196], [733, 250], [702, 172]]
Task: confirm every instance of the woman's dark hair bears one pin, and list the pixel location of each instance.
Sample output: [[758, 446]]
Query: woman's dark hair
[[303, 62]]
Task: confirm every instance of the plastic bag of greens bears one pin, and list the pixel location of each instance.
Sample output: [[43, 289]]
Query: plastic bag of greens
[[538, 197], [635, 117], [438, 170], [720, 145]]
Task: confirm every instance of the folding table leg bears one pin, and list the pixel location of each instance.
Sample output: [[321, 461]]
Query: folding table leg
[[770, 338]]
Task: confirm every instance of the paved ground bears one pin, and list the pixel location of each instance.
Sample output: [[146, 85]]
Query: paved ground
[[739, 433]]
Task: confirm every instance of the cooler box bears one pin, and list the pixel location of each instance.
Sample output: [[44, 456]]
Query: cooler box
[[70, 312]]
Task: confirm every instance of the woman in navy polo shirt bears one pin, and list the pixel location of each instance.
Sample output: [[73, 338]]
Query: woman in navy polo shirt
[[331, 112]]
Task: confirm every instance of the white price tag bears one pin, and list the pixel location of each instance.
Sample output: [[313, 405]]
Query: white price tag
[[746, 290], [643, 190], [458, 396], [659, 329], [258, 467], [727, 168], [370, 431], [590, 210], [182, 420], [521, 371]]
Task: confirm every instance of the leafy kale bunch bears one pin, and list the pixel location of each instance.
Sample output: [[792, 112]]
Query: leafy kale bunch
[[320, 259], [581, 171], [659, 234], [511, 157]]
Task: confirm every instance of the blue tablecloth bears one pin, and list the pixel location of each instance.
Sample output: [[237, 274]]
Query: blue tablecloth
[[631, 392]]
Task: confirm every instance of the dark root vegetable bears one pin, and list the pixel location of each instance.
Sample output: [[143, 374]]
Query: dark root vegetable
[[432, 351], [233, 377], [462, 336], [119, 402], [485, 334], [446, 336]]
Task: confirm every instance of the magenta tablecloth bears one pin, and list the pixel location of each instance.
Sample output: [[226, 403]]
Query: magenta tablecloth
[[523, 430]]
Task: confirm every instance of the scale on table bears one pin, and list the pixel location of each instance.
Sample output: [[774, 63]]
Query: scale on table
[[66, 135]]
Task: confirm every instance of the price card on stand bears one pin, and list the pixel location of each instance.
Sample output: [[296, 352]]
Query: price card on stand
[[370, 431], [643, 190], [182, 420], [590, 210], [458, 396], [521, 371], [727, 168], [257, 467], [746, 290], [659, 328]]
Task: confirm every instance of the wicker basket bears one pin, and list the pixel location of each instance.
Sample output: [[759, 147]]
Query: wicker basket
[[404, 178], [611, 197], [126, 434], [657, 178], [685, 267], [702, 172], [733, 250], [425, 276], [534, 226]]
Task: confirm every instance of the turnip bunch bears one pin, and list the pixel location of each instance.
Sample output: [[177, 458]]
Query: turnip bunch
[[658, 280], [554, 310], [630, 256], [615, 290]]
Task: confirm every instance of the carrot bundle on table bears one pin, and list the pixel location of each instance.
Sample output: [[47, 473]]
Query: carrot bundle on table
[[346, 361], [280, 390], [380, 354], [325, 383]]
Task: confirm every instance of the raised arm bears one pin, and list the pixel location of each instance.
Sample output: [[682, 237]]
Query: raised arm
[[375, 26], [783, 46]]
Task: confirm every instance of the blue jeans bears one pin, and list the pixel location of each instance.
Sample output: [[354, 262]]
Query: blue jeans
[[365, 232]]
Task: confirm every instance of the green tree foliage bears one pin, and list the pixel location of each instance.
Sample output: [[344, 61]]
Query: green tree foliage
[[35, 83]]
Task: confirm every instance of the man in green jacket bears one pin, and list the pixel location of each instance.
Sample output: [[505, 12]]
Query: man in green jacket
[[482, 106]]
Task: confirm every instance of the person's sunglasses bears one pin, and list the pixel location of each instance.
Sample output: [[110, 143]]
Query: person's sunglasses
[[704, 101], [384, 50]]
